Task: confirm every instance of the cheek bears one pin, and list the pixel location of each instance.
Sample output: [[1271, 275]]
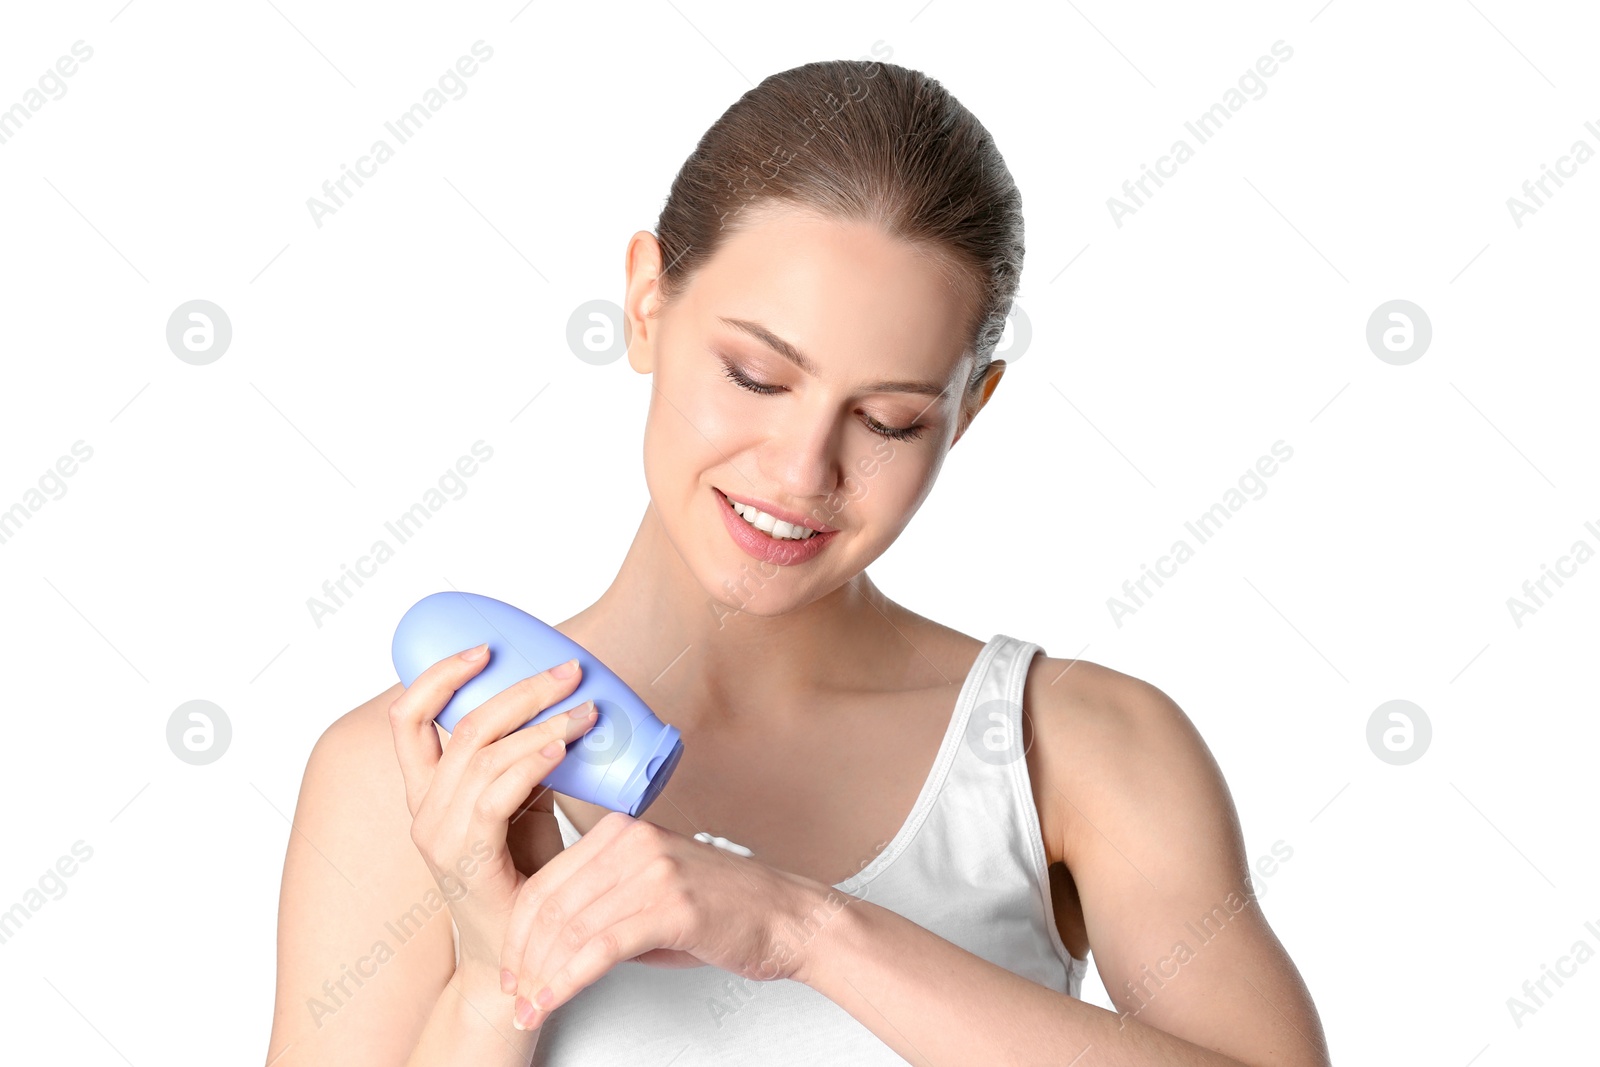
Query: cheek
[[702, 413], [689, 426], [885, 485]]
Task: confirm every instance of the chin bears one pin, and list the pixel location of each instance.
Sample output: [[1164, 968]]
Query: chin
[[752, 587]]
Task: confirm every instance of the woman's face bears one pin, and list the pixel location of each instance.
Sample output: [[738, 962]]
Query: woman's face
[[813, 368]]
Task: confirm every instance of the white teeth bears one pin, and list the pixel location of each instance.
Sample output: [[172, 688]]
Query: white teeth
[[774, 526]]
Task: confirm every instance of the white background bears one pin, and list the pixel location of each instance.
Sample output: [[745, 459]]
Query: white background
[[1166, 356]]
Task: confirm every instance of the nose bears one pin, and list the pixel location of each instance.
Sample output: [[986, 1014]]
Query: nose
[[801, 454]]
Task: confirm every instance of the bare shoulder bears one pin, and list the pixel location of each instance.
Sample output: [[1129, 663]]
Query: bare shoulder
[[1144, 822], [362, 741], [354, 781], [1109, 744], [362, 951]]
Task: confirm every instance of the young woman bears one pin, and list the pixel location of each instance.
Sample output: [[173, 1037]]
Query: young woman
[[887, 840]]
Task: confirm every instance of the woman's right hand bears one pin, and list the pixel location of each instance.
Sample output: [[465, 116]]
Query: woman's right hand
[[463, 796]]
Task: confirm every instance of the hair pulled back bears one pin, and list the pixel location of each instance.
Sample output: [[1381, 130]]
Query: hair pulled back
[[857, 141]]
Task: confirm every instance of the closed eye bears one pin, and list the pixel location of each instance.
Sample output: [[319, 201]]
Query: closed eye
[[744, 381], [739, 378]]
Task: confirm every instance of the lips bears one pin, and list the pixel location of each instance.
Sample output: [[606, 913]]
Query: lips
[[762, 546], [793, 518]]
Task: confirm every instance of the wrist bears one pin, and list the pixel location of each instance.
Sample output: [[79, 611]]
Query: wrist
[[471, 1022], [480, 984], [820, 929]]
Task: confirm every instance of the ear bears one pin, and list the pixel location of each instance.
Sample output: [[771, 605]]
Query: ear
[[642, 268], [992, 376]]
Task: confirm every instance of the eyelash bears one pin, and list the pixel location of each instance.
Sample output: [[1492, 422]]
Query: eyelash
[[739, 378]]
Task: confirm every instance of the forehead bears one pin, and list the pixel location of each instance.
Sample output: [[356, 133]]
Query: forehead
[[839, 290]]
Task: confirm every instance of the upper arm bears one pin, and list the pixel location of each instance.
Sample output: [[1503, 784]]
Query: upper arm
[[364, 943], [1152, 839]]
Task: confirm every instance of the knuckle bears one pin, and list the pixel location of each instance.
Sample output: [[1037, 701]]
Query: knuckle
[[397, 710], [663, 869], [467, 730], [637, 831], [426, 849], [425, 835], [484, 808], [575, 933], [482, 762], [529, 686], [609, 944], [654, 841], [422, 825], [550, 913]]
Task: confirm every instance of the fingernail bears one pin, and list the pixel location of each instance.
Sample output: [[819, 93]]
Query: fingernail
[[553, 749], [473, 655], [508, 981], [583, 712], [565, 670], [545, 998], [524, 1015]]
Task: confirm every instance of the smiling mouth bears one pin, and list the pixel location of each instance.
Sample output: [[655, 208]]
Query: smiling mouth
[[770, 524], [768, 538]]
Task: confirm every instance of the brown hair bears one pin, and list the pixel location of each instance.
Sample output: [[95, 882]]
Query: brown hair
[[863, 141]]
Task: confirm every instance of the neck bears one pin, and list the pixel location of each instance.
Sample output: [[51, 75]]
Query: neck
[[698, 659]]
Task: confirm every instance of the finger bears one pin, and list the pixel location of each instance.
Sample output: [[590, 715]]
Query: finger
[[549, 877], [499, 716], [569, 922], [416, 739], [506, 772], [626, 938], [569, 882]]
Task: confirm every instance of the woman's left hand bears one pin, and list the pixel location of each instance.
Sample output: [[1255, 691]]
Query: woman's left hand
[[629, 889]]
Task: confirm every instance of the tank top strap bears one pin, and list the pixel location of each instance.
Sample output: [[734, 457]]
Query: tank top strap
[[990, 814], [993, 727], [987, 782]]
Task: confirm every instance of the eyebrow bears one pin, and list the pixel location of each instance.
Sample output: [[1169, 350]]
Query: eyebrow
[[798, 358]]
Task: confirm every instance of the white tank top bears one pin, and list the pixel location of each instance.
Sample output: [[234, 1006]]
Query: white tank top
[[968, 864]]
